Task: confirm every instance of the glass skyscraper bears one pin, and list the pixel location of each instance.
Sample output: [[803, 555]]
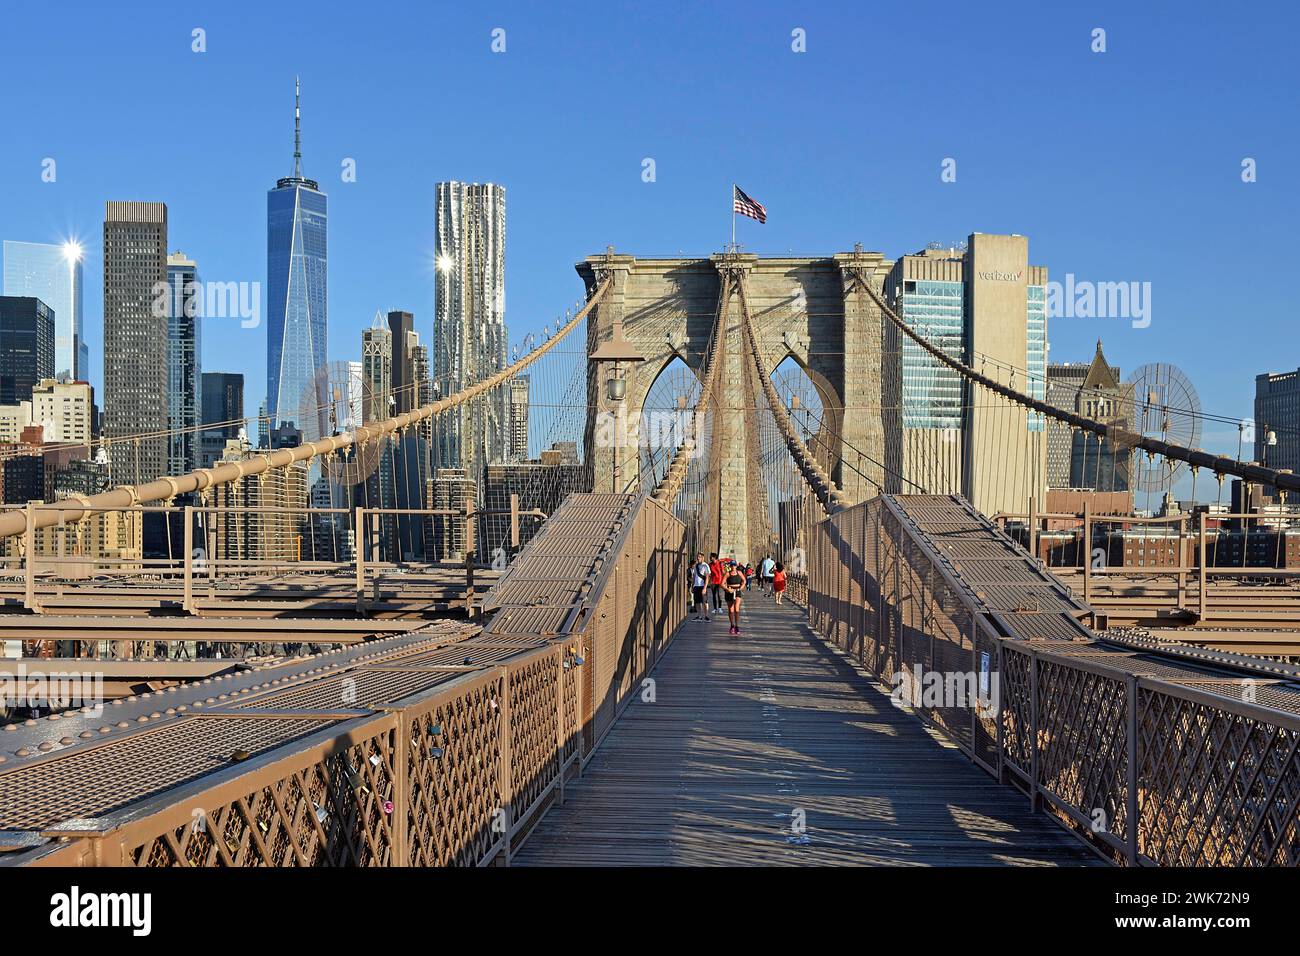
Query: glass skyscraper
[[296, 344], [469, 330], [52, 274], [184, 364]]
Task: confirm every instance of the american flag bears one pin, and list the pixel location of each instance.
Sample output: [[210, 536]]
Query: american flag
[[746, 206]]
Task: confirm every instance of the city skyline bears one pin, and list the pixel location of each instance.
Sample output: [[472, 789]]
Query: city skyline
[[1132, 175]]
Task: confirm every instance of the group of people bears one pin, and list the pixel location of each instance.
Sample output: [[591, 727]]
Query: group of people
[[721, 582]]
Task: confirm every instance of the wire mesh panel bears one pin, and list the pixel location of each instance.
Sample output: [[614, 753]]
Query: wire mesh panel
[[1151, 760], [1216, 787], [453, 774], [1082, 742]]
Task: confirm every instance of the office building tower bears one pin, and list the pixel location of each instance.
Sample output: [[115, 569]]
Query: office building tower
[[52, 273], [1277, 411], [451, 490], [26, 347], [469, 332], [401, 326], [222, 408], [64, 410], [518, 445], [377, 372], [260, 520], [296, 297], [1081, 460], [135, 340], [985, 304], [184, 366]]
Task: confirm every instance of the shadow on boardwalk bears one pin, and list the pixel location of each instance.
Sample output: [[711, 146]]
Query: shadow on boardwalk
[[748, 735]]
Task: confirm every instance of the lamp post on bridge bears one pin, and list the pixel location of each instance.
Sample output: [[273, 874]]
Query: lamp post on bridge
[[616, 351]]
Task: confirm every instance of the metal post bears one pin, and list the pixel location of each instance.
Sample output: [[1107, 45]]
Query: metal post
[[1033, 528], [1201, 574], [1131, 803], [29, 571], [470, 545], [1087, 553], [187, 600], [514, 521], [359, 554], [1034, 796]]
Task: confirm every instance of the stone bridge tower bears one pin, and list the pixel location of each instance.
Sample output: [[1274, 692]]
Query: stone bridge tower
[[802, 308]]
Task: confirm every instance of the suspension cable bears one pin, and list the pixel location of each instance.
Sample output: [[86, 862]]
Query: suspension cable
[[1153, 446], [125, 496]]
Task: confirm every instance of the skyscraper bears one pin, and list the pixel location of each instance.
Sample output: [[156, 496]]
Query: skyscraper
[[26, 346], [401, 326], [53, 275], [983, 302], [135, 339], [519, 418], [222, 398], [184, 365], [296, 331], [469, 332], [377, 371]]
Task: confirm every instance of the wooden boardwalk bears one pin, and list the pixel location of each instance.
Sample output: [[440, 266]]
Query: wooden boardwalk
[[749, 735]]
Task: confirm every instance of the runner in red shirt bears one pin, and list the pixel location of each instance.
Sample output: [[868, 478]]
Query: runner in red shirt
[[715, 583]]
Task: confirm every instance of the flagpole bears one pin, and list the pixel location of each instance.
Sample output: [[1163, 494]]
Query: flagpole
[[733, 217]]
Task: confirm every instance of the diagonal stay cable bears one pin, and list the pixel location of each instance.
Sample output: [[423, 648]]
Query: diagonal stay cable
[[828, 495], [160, 489], [1195, 457]]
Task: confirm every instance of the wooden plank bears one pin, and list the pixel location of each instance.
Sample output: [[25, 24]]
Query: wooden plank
[[748, 732]]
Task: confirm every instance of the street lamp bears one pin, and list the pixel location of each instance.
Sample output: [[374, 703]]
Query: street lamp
[[616, 350]]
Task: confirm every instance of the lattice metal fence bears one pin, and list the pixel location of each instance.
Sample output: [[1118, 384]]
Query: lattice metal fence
[[1152, 763], [425, 757]]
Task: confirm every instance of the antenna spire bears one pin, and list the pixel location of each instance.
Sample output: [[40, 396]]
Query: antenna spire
[[297, 129]]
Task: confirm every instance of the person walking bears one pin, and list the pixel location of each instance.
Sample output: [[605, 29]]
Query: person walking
[[735, 588], [778, 582], [700, 572], [766, 568], [715, 582], [749, 576]]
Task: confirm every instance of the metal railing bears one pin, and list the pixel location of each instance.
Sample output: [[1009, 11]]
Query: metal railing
[[434, 752], [1150, 760]]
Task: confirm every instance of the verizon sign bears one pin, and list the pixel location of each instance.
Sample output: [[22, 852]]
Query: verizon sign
[[994, 275]]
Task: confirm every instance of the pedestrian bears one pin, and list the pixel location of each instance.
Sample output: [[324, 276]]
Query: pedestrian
[[700, 572], [778, 582], [766, 568], [749, 576], [715, 582], [735, 587]]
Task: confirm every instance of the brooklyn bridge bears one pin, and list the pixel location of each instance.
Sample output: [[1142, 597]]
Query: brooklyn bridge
[[297, 684]]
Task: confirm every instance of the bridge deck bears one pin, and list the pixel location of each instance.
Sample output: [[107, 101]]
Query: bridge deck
[[745, 731]]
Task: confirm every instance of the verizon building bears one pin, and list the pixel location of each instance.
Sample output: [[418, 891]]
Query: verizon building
[[987, 306], [135, 339]]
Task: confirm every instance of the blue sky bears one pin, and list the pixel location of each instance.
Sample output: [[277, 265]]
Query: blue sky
[[1119, 166]]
